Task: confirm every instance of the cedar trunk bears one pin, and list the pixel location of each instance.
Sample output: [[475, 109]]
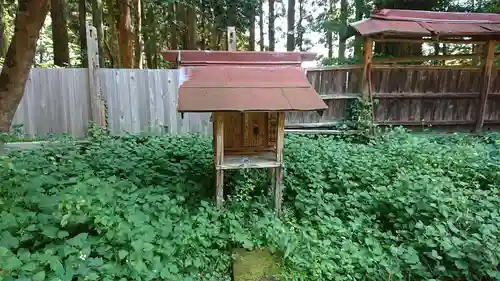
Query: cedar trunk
[[344, 13], [20, 56], [271, 26], [138, 33], [251, 40], [125, 35], [261, 26], [82, 13], [111, 41], [60, 36], [290, 37], [191, 28], [2, 30]]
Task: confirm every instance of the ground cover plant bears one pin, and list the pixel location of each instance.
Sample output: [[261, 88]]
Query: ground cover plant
[[398, 207]]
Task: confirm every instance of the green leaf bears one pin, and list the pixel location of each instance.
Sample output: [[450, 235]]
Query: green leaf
[[40, 276], [62, 234], [12, 263], [122, 254], [56, 266], [460, 264], [50, 231]]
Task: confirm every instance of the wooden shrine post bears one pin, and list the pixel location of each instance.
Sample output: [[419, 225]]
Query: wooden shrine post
[[97, 103], [486, 65], [218, 133]]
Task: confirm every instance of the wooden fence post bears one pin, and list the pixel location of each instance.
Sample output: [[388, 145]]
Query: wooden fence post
[[96, 100], [487, 65]]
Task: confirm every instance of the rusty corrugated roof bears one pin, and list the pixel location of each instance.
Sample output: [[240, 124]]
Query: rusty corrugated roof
[[247, 88], [427, 23]]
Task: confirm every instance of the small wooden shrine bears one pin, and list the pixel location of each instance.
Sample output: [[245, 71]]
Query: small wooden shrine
[[248, 94]]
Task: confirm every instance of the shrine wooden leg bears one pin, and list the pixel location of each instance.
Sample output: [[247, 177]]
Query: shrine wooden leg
[[219, 158], [279, 158], [277, 190], [219, 188]]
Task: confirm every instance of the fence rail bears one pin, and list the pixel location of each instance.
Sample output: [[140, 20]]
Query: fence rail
[[58, 100]]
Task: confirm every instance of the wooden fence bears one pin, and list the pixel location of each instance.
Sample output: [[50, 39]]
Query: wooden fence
[[413, 96], [58, 100]]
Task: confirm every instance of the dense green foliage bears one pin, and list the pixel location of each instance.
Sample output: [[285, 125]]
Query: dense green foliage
[[140, 208]]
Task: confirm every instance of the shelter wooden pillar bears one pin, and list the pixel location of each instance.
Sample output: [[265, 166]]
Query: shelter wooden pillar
[[280, 140], [487, 65], [365, 87], [218, 122]]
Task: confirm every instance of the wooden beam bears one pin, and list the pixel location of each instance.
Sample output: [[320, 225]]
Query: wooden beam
[[426, 58], [280, 140], [321, 132], [340, 96], [427, 123], [365, 87], [426, 95], [219, 157], [487, 64], [423, 40], [96, 100]]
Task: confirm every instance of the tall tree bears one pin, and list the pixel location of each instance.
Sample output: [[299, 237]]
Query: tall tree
[[301, 30], [329, 33], [272, 15], [82, 19], [20, 56], [2, 30], [261, 25], [344, 13], [251, 39], [290, 36], [111, 40], [60, 36], [138, 34], [191, 28], [125, 34], [358, 43]]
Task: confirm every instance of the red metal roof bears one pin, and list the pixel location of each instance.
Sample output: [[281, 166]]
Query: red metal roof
[[427, 23], [247, 88], [197, 58]]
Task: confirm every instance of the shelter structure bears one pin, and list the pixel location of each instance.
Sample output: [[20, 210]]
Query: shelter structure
[[387, 25], [248, 94]]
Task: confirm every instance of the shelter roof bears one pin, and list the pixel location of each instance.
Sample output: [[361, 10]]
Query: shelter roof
[[244, 81], [247, 88], [410, 23]]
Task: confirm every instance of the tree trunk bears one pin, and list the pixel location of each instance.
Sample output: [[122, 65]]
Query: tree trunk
[[251, 39], [191, 28], [290, 36], [2, 30], [300, 28], [137, 34], [358, 43], [125, 34], [329, 33], [174, 43], [271, 26], [344, 13], [60, 36], [261, 26], [82, 14], [20, 56], [97, 22], [112, 45]]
